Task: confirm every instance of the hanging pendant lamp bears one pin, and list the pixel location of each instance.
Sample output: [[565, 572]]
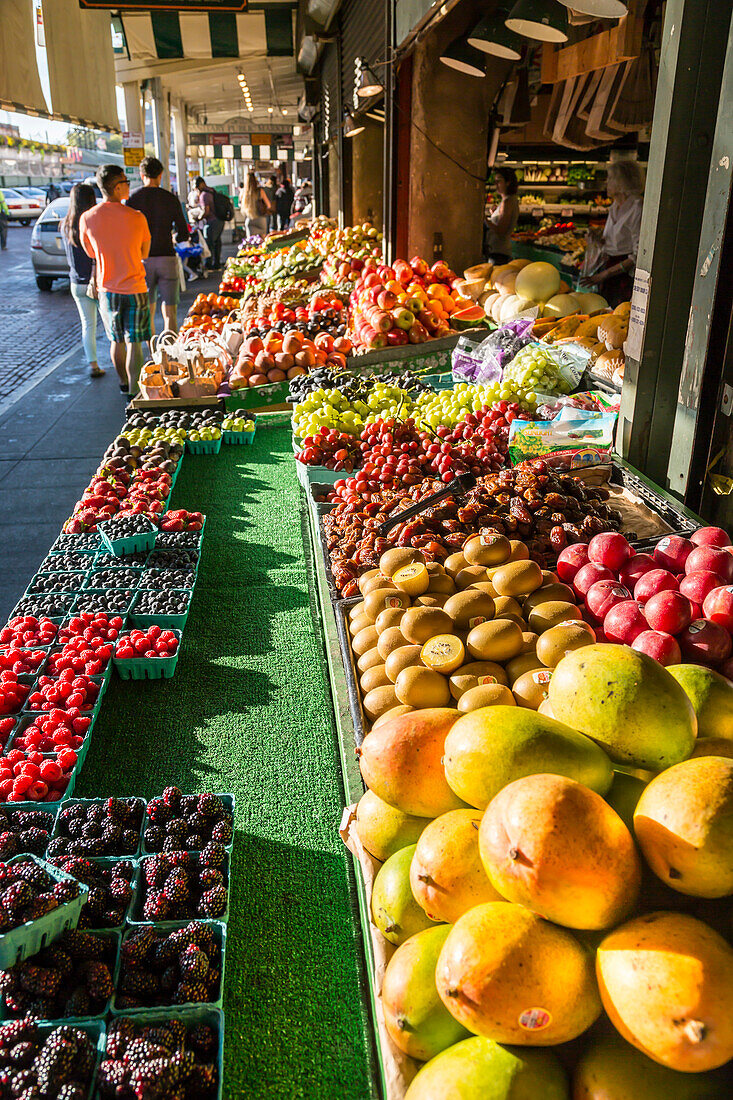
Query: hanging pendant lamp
[[351, 128], [492, 36], [542, 20], [369, 84], [464, 58], [601, 9]]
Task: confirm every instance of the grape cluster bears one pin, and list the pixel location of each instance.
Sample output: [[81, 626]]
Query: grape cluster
[[531, 370], [351, 386], [331, 449]]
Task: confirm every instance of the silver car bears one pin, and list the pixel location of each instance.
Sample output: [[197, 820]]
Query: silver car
[[48, 254], [21, 207]]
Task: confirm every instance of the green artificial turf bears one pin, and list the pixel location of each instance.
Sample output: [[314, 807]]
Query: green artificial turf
[[248, 711]]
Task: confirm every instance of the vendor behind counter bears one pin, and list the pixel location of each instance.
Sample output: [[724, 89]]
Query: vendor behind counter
[[625, 187], [503, 219]]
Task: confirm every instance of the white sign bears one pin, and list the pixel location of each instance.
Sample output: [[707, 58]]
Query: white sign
[[637, 318], [132, 139]]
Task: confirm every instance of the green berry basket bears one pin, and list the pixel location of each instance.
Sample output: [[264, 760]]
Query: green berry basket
[[147, 668], [28, 938], [203, 446], [91, 583], [191, 1017], [136, 915], [69, 802], [70, 573], [90, 712], [81, 606], [169, 622], [145, 540], [51, 807], [97, 1032], [107, 863], [220, 933], [27, 718], [247, 435], [229, 802]]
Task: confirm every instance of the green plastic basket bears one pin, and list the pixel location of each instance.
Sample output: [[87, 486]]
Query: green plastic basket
[[145, 540], [91, 583], [204, 446], [220, 933], [229, 801], [91, 712], [29, 717], [51, 807], [169, 622], [109, 862], [29, 938], [97, 1031], [231, 437], [147, 668], [51, 573], [68, 802], [136, 915]]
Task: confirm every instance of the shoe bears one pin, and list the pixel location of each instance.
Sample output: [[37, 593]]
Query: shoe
[[193, 277], [98, 373], [124, 389]]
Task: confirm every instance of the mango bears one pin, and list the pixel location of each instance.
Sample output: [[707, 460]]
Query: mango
[[488, 748], [666, 982], [624, 794], [447, 876], [713, 746], [556, 847], [684, 825], [508, 975], [479, 1069], [394, 910], [401, 762], [627, 702], [382, 829], [712, 697], [611, 1069], [417, 1020]]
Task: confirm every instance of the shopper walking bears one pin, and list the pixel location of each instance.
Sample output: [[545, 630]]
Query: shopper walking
[[163, 213], [4, 217], [211, 226], [256, 206], [284, 202], [82, 198], [118, 240], [270, 190], [625, 186], [503, 219]]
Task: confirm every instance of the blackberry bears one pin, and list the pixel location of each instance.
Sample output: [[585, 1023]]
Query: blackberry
[[54, 1064], [32, 819], [172, 797], [14, 1031], [203, 1080], [16, 896], [40, 906], [129, 841], [213, 903], [96, 900], [22, 1081], [121, 890], [82, 945], [155, 871], [79, 1003], [203, 1039], [139, 983], [154, 837], [159, 812], [156, 906], [169, 979], [203, 936], [137, 945], [113, 1078], [66, 891], [177, 888], [34, 840], [57, 846], [189, 803], [209, 876], [172, 844], [119, 1035], [117, 809], [72, 1091], [9, 845], [160, 1035], [208, 805], [190, 993], [178, 859], [197, 823], [195, 842], [213, 855], [98, 980], [176, 828], [39, 979], [222, 832], [112, 835], [57, 958], [22, 1054]]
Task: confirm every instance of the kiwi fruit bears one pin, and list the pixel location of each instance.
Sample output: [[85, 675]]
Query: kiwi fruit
[[508, 608], [391, 616], [412, 579], [548, 577], [488, 548], [364, 640], [552, 613], [486, 695], [389, 715], [454, 563], [375, 583], [559, 640], [443, 653], [422, 688], [368, 576], [496, 640], [545, 708], [432, 600], [531, 688], [358, 624], [380, 598], [389, 640], [373, 678], [484, 586], [469, 607], [517, 578], [441, 585], [369, 659], [404, 657], [529, 640], [356, 610], [392, 560], [422, 623], [471, 575], [519, 551], [475, 673], [525, 662], [379, 700], [555, 591]]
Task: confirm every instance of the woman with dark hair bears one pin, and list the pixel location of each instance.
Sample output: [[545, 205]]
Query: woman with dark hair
[[82, 198], [503, 219]]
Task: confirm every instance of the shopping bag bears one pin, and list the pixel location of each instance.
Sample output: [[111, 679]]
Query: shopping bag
[[181, 274]]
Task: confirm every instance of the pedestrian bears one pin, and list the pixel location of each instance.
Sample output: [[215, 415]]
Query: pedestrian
[[211, 225], [4, 216], [256, 205], [271, 190], [283, 202], [82, 198], [52, 192], [625, 187], [118, 240], [164, 213], [301, 198]]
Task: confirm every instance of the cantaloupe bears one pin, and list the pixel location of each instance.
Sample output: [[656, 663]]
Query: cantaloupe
[[505, 281], [478, 271], [498, 272], [589, 302], [538, 281], [470, 288], [519, 264], [560, 305]]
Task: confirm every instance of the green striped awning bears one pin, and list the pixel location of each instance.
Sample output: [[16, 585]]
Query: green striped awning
[[171, 35]]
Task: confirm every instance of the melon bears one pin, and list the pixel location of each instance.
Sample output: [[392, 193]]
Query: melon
[[589, 303], [470, 288], [561, 305], [538, 281], [479, 271], [504, 283], [498, 272], [489, 297], [513, 305], [467, 318], [519, 264]]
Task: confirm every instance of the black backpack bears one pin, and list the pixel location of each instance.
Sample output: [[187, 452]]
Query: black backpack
[[223, 206]]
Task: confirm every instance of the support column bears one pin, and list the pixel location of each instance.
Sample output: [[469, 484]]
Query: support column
[[134, 114], [161, 126], [180, 144]]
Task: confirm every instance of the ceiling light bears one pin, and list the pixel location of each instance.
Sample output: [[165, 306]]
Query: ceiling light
[[602, 9], [270, 110], [493, 36], [285, 110], [542, 20], [250, 108], [464, 58], [351, 128], [368, 83]]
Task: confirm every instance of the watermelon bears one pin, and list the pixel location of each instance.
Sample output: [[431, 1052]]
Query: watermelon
[[467, 318]]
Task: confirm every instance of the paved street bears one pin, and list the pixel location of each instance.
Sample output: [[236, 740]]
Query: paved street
[[53, 433]]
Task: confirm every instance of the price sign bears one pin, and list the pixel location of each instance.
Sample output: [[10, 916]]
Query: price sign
[[566, 212], [538, 212], [133, 148]]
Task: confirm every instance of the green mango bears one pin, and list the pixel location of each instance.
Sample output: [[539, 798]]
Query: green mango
[[480, 1069]]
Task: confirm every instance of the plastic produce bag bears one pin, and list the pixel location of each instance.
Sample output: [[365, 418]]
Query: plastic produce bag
[[574, 439], [549, 405], [469, 366], [484, 362]]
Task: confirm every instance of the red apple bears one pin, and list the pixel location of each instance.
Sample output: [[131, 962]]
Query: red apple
[[668, 611], [624, 622], [726, 669], [672, 552], [609, 549], [705, 643], [570, 560], [636, 567], [656, 580], [718, 606], [603, 595], [712, 558], [662, 647], [710, 536], [697, 585], [588, 575]]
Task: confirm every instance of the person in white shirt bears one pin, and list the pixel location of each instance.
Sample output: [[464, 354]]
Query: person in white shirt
[[625, 186]]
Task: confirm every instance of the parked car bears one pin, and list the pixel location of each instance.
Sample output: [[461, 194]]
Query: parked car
[[48, 255], [33, 193], [20, 207]]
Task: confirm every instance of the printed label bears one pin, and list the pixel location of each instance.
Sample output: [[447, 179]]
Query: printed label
[[535, 1019], [488, 540], [542, 677], [664, 543], [477, 620], [393, 601], [696, 627], [624, 593], [488, 680]]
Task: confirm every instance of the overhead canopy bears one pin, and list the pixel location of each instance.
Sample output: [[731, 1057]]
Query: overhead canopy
[[20, 86], [166, 35], [81, 64]]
